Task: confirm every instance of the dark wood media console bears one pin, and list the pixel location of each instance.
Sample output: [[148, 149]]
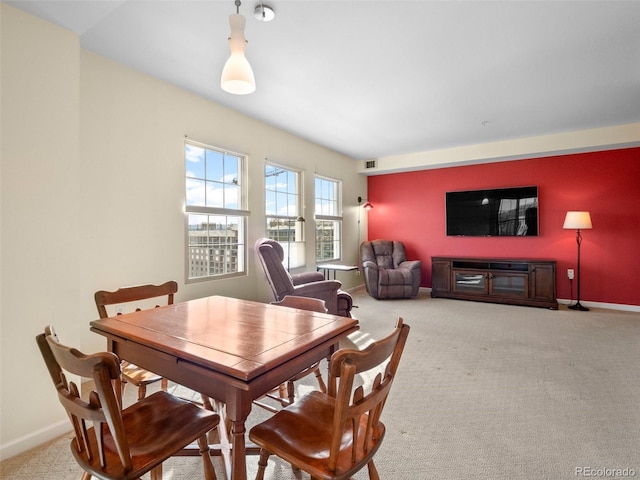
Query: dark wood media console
[[530, 282]]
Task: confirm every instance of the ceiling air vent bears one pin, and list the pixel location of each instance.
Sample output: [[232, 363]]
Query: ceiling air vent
[[369, 164]]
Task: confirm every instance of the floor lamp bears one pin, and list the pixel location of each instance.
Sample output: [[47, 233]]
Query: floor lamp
[[578, 221], [367, 206]]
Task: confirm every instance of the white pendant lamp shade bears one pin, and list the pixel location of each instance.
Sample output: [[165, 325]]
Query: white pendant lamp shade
[[237, 75]]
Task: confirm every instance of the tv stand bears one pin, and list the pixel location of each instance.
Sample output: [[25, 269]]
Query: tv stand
[[530, 282]]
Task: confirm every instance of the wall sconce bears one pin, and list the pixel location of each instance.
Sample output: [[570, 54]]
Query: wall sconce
[[367, 205], [578, 221]]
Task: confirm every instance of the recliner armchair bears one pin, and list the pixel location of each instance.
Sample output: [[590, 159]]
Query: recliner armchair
[[387, 272], [307, 284]]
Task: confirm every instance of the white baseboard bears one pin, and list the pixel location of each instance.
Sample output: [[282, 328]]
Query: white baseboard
[[563, 301], [34, 439], [610, 306]]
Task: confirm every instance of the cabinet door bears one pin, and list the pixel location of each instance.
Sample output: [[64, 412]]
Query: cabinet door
[[543, 281], [509, 285], [440, 276], [470, 281]]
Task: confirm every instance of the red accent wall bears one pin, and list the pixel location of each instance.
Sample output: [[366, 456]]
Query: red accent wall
[[411, 207]]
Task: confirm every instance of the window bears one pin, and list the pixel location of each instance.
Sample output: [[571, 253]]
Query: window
[[282, 210], [328, 214], [216, 212]]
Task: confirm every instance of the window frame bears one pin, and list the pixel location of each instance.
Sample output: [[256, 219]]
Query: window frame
[[241, 213], [337, 218], [296, 245]]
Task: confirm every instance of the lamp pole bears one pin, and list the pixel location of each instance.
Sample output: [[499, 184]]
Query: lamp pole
[[578, 305], [578, 221]]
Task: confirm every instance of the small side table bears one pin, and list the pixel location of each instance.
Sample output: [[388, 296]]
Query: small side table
[[327, 267]]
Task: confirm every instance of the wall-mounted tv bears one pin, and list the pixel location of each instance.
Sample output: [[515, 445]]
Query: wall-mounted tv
[[502, 212]]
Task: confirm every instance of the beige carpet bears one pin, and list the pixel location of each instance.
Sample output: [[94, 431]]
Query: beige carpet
[[483, 391]]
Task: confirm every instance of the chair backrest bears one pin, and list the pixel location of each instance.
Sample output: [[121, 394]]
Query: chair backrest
[[271, 256], [136, 293], [356, 410], [101, 408], [386, 254], [303, 303]]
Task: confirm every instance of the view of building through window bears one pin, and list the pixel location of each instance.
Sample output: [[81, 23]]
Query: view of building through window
[[284, 222], [328, 214], [216, 214]]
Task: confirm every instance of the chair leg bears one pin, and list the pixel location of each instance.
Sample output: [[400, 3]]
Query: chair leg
[[156, 473], [142, 392], [291, 392], [262, 463], [283, 390], [373, 472], [209, 471], [86, 476], [206, 403], [321, 384], [164, 384]]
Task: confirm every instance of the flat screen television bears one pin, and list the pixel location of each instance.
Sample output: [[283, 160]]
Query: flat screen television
[[501, 212]]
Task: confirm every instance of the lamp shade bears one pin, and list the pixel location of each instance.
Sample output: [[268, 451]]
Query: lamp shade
[[237, 75], [577, 221]]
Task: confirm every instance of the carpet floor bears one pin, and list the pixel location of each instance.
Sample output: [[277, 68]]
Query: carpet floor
[[483, 391]]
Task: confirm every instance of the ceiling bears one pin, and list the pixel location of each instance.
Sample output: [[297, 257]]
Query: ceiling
[[372, 79]]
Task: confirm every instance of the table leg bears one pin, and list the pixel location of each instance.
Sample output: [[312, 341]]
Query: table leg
[[238, 406], [238, 451]]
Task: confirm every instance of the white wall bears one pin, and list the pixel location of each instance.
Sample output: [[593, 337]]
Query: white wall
[[92, 189]]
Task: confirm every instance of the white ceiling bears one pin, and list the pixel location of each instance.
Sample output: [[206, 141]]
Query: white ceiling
[[377, 78]]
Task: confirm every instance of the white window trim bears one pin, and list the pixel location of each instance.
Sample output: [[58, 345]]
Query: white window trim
[[299, 245], [242, 212], [335, 218]]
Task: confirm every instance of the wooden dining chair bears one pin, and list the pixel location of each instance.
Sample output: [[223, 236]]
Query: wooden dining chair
[[333, 435], [126, 295], [286, 392], [112, 443]]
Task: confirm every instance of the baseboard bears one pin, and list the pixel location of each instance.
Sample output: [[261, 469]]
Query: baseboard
[[34, 439], [355, 289], [609, 306]]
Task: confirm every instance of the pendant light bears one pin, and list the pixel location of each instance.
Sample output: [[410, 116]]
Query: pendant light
[[237, 75]]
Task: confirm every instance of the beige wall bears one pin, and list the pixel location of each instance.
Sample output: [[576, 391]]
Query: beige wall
[[92, 193], [562, 143], [39, 219]]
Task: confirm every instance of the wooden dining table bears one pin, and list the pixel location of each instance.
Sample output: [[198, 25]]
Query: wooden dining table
[[232, 350]]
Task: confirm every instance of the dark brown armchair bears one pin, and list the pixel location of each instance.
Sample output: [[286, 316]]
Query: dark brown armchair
[[307, 284], [387, 272]]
